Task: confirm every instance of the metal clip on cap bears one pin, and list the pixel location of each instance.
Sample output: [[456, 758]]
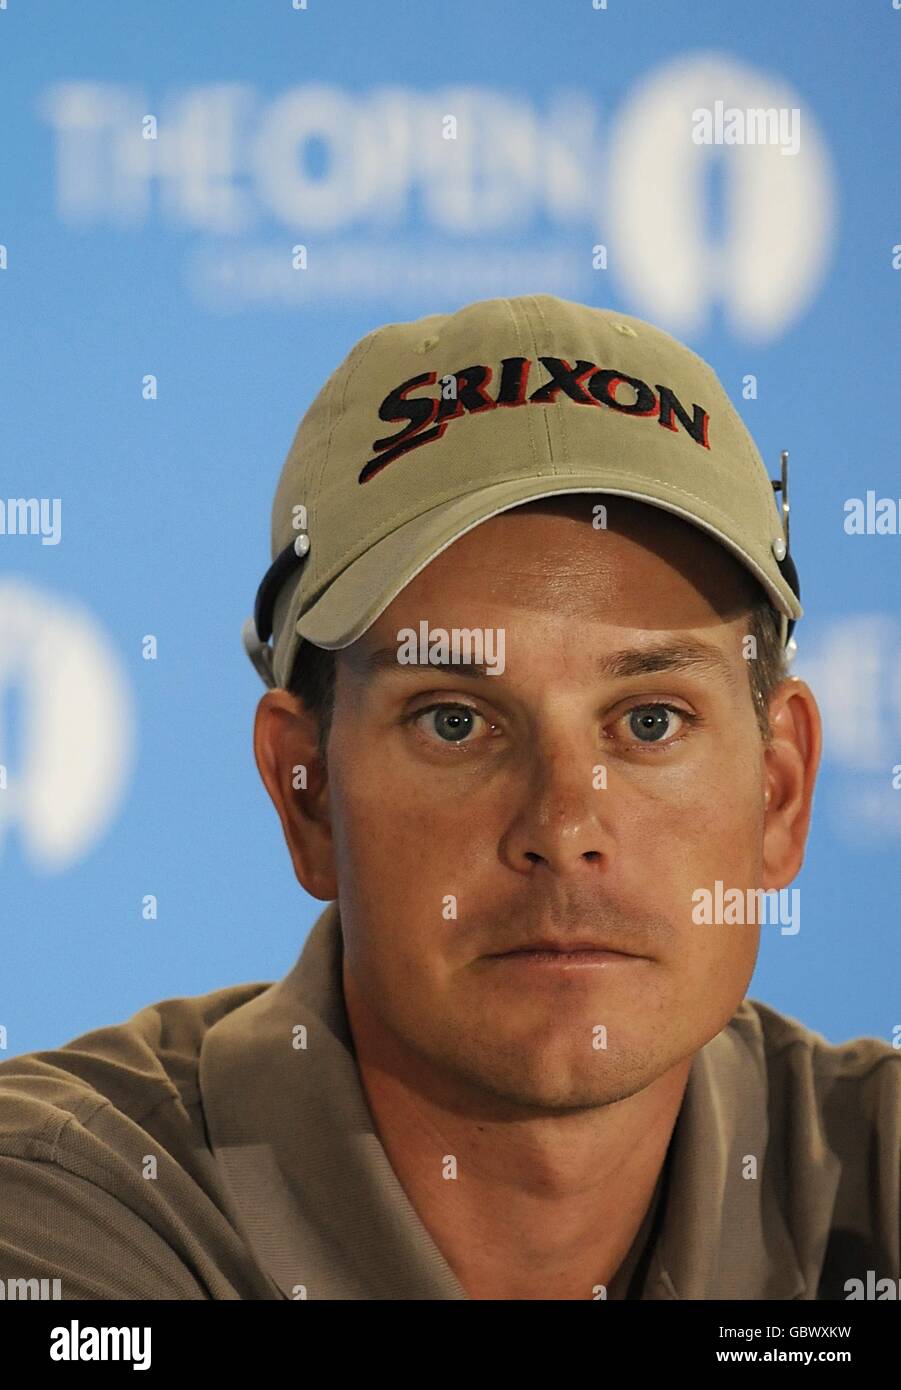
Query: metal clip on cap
[[258, 629], [782, 551], [259, 652]]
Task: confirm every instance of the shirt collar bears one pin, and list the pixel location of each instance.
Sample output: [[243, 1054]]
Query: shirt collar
[[326, 1216], [724, 1233]]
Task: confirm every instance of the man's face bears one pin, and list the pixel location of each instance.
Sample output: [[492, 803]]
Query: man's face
[[460, 834]]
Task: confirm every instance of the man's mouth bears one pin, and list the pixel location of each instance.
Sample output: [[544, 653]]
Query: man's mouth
[[565, 953], [556, 946]]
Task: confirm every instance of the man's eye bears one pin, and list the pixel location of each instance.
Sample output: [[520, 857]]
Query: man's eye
[[654, 723], [450, 723]]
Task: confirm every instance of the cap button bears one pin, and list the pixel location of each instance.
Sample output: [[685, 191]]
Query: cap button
[[779, 548], [301, 545]]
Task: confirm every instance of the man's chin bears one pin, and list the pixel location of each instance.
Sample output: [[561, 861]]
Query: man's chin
[[563, 1097], [538, 1084]]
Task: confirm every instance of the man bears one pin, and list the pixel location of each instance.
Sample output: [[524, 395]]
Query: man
[[531, 601]]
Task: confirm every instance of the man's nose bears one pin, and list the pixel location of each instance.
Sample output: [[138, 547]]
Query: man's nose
[[562, 817]]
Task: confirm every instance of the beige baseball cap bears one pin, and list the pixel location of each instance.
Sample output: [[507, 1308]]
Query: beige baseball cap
[[429, 427]]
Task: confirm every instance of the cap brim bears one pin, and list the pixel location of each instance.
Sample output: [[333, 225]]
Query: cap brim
[[363, 591]]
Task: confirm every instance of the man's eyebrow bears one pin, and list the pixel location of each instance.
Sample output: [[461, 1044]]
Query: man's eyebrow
[[686, 654], [385, 659]]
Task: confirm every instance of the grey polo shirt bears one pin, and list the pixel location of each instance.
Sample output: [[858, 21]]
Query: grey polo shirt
[[221, 1147]]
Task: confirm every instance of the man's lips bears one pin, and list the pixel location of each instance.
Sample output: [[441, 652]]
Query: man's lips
[[579, 947], [564, 955]]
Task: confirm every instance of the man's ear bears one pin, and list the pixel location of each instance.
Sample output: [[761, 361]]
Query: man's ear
[[285, 745], [791, 760]]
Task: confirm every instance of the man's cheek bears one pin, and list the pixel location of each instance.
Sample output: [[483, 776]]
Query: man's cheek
[[721, 825]]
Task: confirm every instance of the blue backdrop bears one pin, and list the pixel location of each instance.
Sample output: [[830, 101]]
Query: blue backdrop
[[162, 335]]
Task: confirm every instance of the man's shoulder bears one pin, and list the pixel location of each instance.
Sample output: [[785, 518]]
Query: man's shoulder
[[133, 1066], [107, 1182], [782, 1035], [860, 1076]]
